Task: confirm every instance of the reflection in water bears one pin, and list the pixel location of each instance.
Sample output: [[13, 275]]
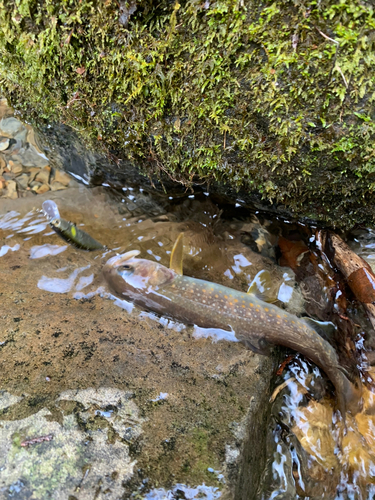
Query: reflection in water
[[39, 251], [5, 249], [182, 491], [84, 281], [61, 285], [215, 333]]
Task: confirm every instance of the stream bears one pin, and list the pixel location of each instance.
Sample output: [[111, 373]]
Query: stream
[[103, 400]]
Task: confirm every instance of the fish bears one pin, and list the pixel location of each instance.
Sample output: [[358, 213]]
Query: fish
[[68, 231], [257, 324]]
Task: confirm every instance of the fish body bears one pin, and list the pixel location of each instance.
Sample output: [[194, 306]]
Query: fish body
[[68, 231], [257, 324]]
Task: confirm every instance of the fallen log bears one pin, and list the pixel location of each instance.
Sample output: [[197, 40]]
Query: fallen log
[[356, 271]]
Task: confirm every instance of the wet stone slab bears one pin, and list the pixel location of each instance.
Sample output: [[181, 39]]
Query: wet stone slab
[[107, 402]]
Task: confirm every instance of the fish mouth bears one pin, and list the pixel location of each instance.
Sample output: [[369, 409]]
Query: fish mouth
[[118, 260]]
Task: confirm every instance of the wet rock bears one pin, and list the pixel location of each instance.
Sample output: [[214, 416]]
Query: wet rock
[[15, 167], [4, 143], [62, 177], [5, 110], [35, 185], [2, 162], [57, 186], [43, 175], [61, 457], [30, 157], [126, 9], [42, 189], [9, 127], [11, 190], [23, 181], [33, 172], [33, 139], [15, 147]]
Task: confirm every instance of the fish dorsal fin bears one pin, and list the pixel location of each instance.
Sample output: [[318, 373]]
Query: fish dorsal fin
[[177, 255], [326, 329], [262, 287]]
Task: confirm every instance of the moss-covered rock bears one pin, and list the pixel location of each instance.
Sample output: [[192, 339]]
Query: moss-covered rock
[[271, 97]]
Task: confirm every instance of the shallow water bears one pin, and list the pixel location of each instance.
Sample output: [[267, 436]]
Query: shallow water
[[67, 345], [76, 364]]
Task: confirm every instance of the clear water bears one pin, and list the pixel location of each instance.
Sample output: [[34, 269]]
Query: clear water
[[49, 283]]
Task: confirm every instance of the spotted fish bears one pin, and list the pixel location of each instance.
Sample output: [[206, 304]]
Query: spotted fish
[[257, 324]]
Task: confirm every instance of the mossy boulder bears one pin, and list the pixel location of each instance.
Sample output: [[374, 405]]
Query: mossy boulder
[[275, 98]]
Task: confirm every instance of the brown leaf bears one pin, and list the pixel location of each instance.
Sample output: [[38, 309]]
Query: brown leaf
[[80, 71], [290, 251], [67, 40]]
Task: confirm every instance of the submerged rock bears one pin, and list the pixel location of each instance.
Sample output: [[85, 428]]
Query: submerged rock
[[40, 455]]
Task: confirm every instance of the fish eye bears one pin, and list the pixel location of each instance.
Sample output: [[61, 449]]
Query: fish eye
[[125, 267]]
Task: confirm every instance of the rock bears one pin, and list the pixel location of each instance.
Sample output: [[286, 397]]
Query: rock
[[23, 181], [15, 167], [43, 175], [33, 139], [11, 190], [8, 176], [9, 127], [30, 157], [42, 189], [5, 110], [4, 143], [57, 186], [35, 185], [33, 172], [2, 162], [15, 147], [62, 177]]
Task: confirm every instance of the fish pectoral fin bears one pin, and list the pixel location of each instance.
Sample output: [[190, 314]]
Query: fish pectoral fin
[[118, 260], [175, 262], [262, 287], [325, 329], [263, 347]]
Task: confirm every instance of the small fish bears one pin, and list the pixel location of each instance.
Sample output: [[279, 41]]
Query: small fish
[[257, 324], [69, 231]]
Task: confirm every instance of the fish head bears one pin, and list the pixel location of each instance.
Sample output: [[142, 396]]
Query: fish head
[[130, 277]]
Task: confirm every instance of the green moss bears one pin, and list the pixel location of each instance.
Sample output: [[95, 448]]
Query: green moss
[[275, 97]]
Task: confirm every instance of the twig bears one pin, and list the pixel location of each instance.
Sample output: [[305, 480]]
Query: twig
[[327, 37], [36, 440], [281, 387], [342, 74]]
